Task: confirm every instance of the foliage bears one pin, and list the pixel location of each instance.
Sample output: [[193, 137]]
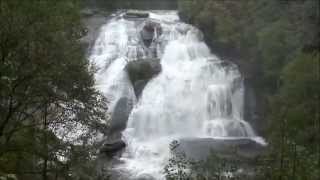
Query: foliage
[[46, 90], [266, 33], [215, 167], [276, 43], [178, 165]]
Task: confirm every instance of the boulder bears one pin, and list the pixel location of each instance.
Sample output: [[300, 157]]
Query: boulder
[[253, 108], [135, 14], [141, 71], [145, 177], [200, 148], [120, 115], [183, 28], [111, 148], [92, 21], [87, 12], [139, 86], [150, 31]]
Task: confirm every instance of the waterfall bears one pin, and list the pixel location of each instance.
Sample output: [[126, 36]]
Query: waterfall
[[195, 95]]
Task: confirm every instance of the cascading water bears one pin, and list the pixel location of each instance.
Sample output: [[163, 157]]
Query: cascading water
[[195, 95]]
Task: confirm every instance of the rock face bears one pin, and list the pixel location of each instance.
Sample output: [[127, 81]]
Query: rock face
[[136, 14], [254, 109], [137, 4], [92, 19], [151, 30], [141, 71], [113, 147], [120, 115], [200, 148], [139, 86], [145, 177]]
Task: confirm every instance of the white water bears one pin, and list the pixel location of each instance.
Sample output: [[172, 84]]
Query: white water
[[195, 95]]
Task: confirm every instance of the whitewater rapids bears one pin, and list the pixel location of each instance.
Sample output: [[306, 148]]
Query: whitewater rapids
[[195, 95]]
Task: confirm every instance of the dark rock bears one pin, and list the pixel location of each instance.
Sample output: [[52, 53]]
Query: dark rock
[[136, 14], [145, 177], [253, 109], [149, 31], [92, 22], [141, 71], [237, 83], [120, 115], [183, 28], [87, 12], [200, 148], [139, 86], [136, 4], [112, 147]]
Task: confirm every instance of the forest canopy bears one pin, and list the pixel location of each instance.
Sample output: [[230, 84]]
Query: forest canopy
[[46, 92]]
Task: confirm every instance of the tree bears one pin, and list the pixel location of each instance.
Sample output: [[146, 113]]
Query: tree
[[46, 88], [276, 45]]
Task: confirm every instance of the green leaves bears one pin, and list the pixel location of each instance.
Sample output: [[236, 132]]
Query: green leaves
[[45, 86], [276, 44]]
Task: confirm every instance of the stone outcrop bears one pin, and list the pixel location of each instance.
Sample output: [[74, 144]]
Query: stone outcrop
[[200, 148], [92, 20], [135, 14], [111, 148], [150, 31], [253, 109], [141, 71], [120, 115], [138, 87]]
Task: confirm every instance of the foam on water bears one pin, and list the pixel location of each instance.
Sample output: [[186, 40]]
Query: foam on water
[[195, 95]]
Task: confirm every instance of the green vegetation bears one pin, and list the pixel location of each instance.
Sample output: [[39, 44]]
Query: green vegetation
[[214, 168], [46, 86], [276, 43]]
